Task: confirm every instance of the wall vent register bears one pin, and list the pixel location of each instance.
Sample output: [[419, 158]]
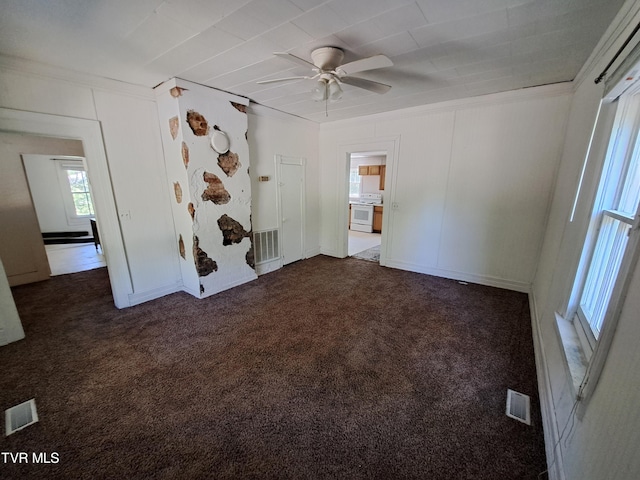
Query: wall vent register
[[20, 416]]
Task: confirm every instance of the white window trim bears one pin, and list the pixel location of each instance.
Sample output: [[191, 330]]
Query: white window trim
[[359, 184], [595, 352], [63, 165]]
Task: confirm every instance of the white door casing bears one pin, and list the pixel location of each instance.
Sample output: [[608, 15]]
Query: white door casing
[[291, 207], [389, 145]]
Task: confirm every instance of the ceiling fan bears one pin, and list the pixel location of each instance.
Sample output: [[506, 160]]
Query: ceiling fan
[[329, 72]]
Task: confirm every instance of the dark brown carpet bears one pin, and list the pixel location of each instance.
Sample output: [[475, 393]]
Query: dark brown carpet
[[327, 368]]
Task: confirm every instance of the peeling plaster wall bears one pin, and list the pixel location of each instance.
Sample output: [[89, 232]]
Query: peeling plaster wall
[[211, 192]]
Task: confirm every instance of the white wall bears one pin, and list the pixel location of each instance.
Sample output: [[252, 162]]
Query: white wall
[[604, 443], [271, 133], [471, 183], [129, 121]]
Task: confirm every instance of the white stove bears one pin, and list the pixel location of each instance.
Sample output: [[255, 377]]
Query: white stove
[[362, 211], [368, 199]]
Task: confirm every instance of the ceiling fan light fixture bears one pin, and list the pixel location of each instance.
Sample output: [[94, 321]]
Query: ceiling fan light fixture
[[319, 92], [335, 92]]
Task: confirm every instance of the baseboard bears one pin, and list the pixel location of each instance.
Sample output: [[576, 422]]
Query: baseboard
[[329, 252], [190, 291], [465, 277], [138, 298], [227, 286], [268, 267], [553, 450], [312, 252]]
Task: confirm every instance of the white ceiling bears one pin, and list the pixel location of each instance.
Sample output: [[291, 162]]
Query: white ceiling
[[441, 49]]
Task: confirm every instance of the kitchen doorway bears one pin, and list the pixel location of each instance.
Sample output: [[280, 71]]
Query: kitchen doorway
[[367, 173]]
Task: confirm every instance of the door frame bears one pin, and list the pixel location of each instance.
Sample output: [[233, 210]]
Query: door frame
[[90, 134], [390, 145], [302, 162]]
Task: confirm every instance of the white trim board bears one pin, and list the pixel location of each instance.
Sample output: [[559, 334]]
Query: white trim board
[[141, 297], [461, 276], [553, 449]]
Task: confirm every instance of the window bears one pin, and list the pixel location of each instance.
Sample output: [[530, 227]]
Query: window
[[79, 187], [615, 209], [354, 182], [75, 190]]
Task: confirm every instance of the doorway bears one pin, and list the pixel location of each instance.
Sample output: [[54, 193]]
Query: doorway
[[367, 172], [291, 200], [63, 204], [89, 134]]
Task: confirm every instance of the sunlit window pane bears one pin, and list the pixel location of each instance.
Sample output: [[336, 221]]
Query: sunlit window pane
[[603, 271], [80, 192]]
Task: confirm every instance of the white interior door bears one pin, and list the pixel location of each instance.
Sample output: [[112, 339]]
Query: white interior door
[[291, 196]]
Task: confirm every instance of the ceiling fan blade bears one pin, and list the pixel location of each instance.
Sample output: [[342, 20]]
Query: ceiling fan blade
[[370, 85], [294, 59], [369, 63], [285, 79]]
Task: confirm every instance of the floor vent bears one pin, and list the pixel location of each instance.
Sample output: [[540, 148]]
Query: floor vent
[[518, 406], [265, 246], [20, 416]]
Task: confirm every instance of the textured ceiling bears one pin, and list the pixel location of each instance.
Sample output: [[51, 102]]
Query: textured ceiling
[[441, 49]]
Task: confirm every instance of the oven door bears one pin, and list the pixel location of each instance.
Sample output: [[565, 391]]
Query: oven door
[[362, 218]]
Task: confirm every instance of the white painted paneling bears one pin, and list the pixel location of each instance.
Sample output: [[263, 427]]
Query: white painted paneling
[[603, 443], [36, 94], [132, 141], [271, 134], [419, 188], [470, 193], [503, 160]]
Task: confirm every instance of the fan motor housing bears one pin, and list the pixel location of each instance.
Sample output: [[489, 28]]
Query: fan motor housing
[[327, 58]]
